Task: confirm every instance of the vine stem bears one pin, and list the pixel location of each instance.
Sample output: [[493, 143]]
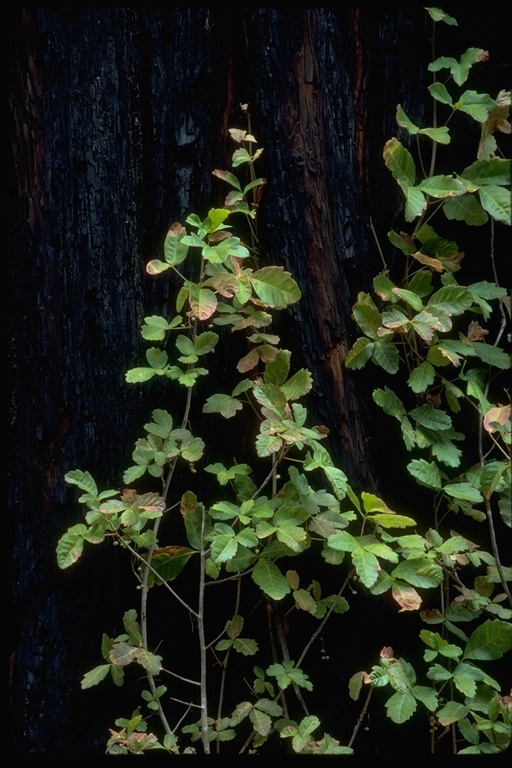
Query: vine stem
[[226, 660], [202, 643], [361, 717], [149, 569], [322, 624]]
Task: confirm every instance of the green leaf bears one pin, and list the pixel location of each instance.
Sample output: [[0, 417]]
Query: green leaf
[[157, 358], [426, 474], [169, 562], [465, 208], [463, 682], [304, 601], [452, 299], [224, 548], [420, 572], [192, 514], [70, 546], [150, 661], [228, 177], [366, 565], [400, 162], [496, 201], [163, 420], [298, 385], [439, 93], [421, 377], [385, 354], [495, 171], [95, 676], [216, 216], [442, 186], [441, 135], [439, 673], [491, 355], [275, 287], [156, 267], [430, 417], [367, 316], [270, 579], [270, 707], [245, 646], [344, 541], [437, 14], [491, 640], [478, 105], [427, 696], [392, 520], [261, 722], [137, 375], [459, 70], [83, 480], [415, 201], [203, 302], [463, 491], [400, 707], [175, 252], [226, 405], [121, 654], [452, 712], [337, 479], [395, 318], [389, 402]]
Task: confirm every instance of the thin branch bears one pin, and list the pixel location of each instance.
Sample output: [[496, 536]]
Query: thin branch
[[361, 717], [283, 643], [179, 677], [226, 660], [324, 621], [202, 643], [377, 243], [155, 573]]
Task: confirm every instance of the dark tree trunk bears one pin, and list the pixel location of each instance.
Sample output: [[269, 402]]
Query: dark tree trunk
[[117, 118]]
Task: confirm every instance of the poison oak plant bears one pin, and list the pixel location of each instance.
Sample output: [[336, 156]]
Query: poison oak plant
[[283, 496], [440, 335]]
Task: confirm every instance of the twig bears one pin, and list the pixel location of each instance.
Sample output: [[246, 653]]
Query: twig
[[323, 622], [361, 717], [202, 643]]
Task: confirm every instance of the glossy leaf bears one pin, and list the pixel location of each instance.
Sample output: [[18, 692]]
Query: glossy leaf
[[465, 208], [175, 252], [419, 572], [495, 171], [421, 377], [270, 579], [95, 676], [400, 162], [224, 404], [491, 640], [168, 562], [459, 69], [478, 105], [496, 201], [70, 546], [401, 707], [452, 712], [275, 287], [442, 186]]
